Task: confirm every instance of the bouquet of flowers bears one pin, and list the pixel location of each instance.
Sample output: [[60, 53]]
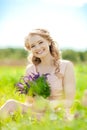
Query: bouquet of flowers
[[34, 85]]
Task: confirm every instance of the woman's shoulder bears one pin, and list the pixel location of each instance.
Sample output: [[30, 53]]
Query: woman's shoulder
[[64, 61], [30, 69], [29, 66], [65, 64]]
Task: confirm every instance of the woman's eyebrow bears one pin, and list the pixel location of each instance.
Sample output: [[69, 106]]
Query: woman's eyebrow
[[39, 41], [36, 42]]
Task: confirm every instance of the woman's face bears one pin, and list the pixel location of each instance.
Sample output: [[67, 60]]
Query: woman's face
[[39, 46]]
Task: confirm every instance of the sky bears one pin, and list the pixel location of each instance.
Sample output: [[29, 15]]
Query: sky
[[66, 20]]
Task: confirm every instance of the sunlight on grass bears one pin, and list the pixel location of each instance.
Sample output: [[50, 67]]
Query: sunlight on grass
[[10, 75]]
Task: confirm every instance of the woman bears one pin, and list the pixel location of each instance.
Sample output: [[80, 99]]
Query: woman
[[45, 58]]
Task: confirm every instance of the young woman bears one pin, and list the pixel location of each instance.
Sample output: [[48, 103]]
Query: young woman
[[45, 58]]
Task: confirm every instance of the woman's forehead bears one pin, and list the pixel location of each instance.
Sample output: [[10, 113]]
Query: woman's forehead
[[35, 38]]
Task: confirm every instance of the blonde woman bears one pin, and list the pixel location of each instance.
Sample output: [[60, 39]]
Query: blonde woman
[[46, 58]]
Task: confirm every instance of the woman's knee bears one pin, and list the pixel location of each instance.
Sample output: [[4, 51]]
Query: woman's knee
[[10, 104], [8, 107], [13, 105], [11, 101], [16, 105]]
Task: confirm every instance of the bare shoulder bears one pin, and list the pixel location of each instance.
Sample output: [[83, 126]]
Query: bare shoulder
[[30, 69], [29, 66], [66, 63]]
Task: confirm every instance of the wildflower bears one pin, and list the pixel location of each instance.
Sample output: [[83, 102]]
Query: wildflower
[[33, 85]]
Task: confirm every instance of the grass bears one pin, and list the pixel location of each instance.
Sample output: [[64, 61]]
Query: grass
[[10, 75]]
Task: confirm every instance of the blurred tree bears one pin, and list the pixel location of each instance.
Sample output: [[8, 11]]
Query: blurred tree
[[70, 55], [19, 53]]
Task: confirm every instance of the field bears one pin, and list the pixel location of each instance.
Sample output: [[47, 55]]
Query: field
[[9, 75]]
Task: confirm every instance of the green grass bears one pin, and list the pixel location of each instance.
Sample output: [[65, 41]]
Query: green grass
[[81, 79], [10, 75]]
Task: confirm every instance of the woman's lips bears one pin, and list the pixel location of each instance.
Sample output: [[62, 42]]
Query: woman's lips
[[40, 52]]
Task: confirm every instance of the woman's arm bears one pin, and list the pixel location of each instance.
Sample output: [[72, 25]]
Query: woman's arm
[[69, 85]]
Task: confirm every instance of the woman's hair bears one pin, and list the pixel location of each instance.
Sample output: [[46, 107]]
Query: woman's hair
[[53, 49]]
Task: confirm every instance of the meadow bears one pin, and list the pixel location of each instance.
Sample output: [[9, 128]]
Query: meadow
[[9, 76]]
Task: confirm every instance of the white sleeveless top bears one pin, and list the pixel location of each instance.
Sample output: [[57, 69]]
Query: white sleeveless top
[[56, 84]]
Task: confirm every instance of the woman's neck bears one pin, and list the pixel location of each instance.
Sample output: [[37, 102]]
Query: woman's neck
[[47, 60]]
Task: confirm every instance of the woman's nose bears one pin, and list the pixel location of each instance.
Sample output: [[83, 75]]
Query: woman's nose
[[38, 47]]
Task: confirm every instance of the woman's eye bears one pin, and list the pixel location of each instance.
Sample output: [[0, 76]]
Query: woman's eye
[[32, 46], [40, 42]]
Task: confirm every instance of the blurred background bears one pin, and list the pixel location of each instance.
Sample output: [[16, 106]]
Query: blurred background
[[65, 19]]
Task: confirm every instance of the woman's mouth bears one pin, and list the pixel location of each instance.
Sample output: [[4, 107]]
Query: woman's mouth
[[40, 52]]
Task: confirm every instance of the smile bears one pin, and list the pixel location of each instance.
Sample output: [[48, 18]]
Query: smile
[[40, 52]]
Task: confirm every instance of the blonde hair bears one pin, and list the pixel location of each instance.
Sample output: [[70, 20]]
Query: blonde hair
[[53, 49]]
